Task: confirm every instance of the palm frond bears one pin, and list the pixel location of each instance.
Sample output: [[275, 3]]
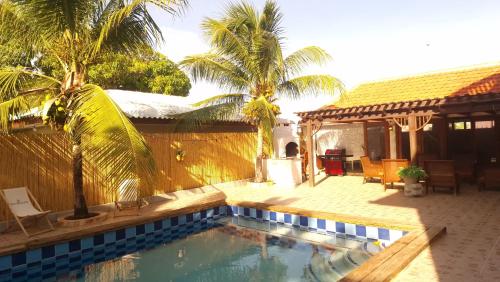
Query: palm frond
[[174, 7], [269, 57], [262, 113], [208, 115], [240, 16], [14, 81], [215, 69], [235, 98], [18, 34], [109, 140], [270, 19], [310, 85], [17, 107], [52, 18], [304, 57], [220, 36], [127, 28]]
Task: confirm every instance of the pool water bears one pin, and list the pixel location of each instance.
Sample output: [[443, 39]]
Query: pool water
[[238, 249]]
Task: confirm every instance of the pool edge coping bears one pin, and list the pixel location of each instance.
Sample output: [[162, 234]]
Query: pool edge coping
[[383, 266], [387, 264], [33, 243], [384, 223]]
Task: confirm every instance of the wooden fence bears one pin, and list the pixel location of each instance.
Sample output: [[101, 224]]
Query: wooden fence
[[42, 162]]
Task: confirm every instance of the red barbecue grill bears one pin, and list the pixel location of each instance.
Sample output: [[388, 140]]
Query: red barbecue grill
[[334, 161]]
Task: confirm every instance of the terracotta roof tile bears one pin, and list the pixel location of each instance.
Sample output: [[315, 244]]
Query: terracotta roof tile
[[471, 81]]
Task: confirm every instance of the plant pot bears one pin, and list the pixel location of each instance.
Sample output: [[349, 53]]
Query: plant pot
[[414, 190], [410, 180], [67, 222]]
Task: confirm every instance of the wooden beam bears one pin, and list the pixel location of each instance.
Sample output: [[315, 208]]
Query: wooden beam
[[372, 117], [412, 130], [311, 156]]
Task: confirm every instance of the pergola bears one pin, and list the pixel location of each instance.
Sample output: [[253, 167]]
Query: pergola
[[411, 115]]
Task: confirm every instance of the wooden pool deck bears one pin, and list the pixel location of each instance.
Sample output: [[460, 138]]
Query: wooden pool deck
[[470, 251], [166, 205]]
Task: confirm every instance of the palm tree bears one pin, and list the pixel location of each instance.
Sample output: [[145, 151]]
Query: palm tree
[[75, 33], [247, 59]]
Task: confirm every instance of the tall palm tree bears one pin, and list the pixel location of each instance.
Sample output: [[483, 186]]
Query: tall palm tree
[[247, 59], [76, 33]]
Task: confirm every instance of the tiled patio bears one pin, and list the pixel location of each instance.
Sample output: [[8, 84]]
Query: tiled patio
[[470, 251]]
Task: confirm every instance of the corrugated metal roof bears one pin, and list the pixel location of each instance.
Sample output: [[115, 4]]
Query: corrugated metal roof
[[144, 105], [148, 105]]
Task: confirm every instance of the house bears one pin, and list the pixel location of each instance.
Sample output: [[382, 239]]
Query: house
[[453, 115]]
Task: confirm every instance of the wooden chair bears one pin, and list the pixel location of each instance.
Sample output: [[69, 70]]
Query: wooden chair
[[490, 178], [20, 202], [441, 173], [391, 167], [371, 169]]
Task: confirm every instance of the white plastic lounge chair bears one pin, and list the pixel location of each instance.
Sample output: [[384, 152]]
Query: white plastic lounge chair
[[20, 202], [128, 197]]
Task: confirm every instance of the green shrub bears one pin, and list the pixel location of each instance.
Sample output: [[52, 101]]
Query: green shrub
[[412, 171]]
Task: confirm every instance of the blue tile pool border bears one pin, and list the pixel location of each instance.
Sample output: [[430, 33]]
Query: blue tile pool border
[[69, 258], [318, 225], [72, 256]]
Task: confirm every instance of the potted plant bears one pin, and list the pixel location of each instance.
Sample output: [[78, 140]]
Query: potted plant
[[411, 175]]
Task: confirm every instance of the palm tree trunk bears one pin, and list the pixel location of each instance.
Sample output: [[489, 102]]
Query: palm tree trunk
[[259, 170], [80, 205]]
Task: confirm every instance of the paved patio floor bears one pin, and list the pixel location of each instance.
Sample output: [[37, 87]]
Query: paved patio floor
[[470, 251]]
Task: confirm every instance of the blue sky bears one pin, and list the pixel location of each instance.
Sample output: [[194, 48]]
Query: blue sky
[[369, 40]]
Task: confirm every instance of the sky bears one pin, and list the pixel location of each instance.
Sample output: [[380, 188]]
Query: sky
[[368, 40]]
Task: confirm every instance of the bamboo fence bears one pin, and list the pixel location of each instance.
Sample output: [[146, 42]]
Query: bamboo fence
[[42, 162]]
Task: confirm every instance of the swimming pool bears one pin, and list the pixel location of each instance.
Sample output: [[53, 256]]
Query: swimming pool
[[220, 244]]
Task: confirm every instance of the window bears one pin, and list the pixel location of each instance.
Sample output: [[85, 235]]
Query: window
[[484, 124], [460, 125], [428, 127]]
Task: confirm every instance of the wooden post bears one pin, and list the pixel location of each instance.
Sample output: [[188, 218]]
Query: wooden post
[[473, 137], [387, 140], [420, 141], [442, 127], [497, 137], [365, 138], [311, 156], [399, 142], [412, 130]]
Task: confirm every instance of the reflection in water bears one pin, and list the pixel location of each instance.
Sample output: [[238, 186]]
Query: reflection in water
[[121, 269], [233, 253]]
